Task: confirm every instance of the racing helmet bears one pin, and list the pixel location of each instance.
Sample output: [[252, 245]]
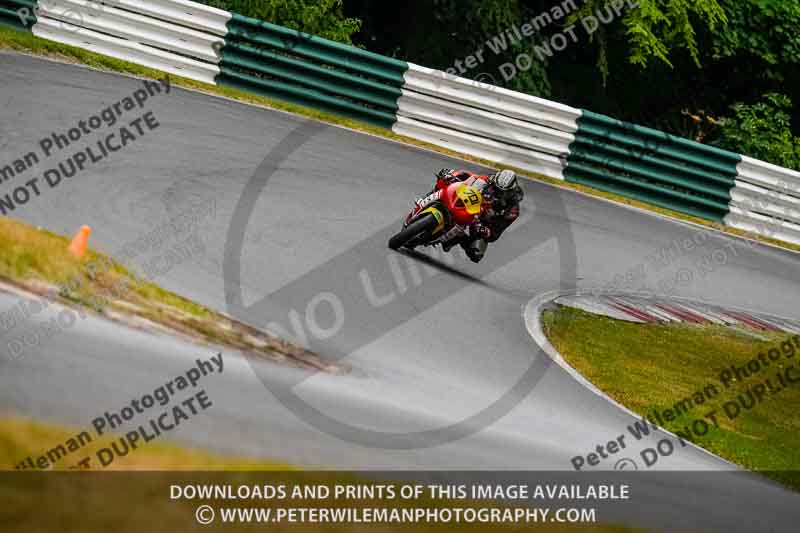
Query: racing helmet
[[445, 173], [505, 180]]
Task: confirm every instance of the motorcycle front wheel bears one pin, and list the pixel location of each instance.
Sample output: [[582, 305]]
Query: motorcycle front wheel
[[416, 229]]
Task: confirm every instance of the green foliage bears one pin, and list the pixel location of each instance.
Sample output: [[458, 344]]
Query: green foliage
[[763, 130], [442, 34], [658, 26], [764, 32], [654, 29], [324, 18], [703, 55], [481, 20]]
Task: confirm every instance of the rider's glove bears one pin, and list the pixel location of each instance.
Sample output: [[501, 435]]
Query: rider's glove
[[480, 231]]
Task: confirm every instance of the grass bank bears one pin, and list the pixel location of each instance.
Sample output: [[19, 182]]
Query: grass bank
[[21, 438], [26, 42], [36, 264], [678, 374], [122, 501]]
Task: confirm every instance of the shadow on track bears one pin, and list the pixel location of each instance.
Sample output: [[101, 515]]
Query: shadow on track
[[435, 263]]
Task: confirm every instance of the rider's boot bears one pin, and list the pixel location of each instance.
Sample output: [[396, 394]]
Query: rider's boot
[[475, 249], [448, 245]]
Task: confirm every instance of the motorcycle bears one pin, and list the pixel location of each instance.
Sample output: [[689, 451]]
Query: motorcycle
[[442, 216]]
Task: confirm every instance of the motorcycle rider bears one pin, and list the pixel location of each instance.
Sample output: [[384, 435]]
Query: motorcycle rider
[[502, 195]]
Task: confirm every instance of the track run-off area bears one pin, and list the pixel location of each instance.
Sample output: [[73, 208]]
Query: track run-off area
[[444, 373]]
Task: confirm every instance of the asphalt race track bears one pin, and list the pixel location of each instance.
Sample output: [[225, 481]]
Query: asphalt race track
[[445, 344]]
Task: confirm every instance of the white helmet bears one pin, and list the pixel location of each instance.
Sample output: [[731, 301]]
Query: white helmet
[[505, 180]]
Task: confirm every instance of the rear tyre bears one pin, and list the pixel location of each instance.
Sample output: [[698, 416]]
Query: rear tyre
[[416, 229]]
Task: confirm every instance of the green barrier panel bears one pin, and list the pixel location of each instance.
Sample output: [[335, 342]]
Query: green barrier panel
[[637, 145], [300, 68], [709, 152], [603, 183], [652, 166], [311, 76], [652, 173], [319, 49], [379, 87], [11, 13], [306, 97], [592, 144], [16, 5]]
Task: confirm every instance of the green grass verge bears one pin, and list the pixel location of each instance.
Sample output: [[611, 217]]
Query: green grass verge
[[124, 503], [21, 438], [30, 254], [653, 368], [11, 38], [38, 262]]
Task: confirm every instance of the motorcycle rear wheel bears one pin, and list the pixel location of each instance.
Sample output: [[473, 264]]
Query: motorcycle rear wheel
[[414, 230]]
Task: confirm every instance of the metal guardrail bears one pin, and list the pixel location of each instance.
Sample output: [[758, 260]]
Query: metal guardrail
[[305, 69], [180, 12], [652, 166], [766, 200], [484, 121], [18, 13], [125, 49], [217, 47], [134, 27]]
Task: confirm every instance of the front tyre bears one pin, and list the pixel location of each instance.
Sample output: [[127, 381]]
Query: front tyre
[[413, 231]]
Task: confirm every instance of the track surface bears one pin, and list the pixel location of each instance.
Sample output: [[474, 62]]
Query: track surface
[[426, 365]]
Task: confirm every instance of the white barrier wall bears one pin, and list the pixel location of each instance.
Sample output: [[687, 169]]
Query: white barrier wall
[[765, 226], [484, 121], [136, 28], [175, 36], [769, 176], [182, 12], [61, 32], [481, 147], [766, 200]]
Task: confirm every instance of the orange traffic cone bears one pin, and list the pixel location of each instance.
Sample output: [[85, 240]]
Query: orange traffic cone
[[80, 242]]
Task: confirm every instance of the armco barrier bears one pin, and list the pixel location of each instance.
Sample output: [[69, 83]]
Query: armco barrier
[[215, 46], [766, 199], [180, 12], [652, 166], [488, 97], [481, 147], [124, 49], [175, 36], [305, 69], [134, 27], [18, 13], [485, 121], [768, 176], [767, 226]]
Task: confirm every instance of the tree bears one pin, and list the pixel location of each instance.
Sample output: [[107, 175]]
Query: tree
[[444, 33], [654, 29], [760, 50], [762, 130], [324, 18], [763, 34]]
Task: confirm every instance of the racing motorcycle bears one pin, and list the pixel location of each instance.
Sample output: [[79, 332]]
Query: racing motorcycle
[[442, 216]]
